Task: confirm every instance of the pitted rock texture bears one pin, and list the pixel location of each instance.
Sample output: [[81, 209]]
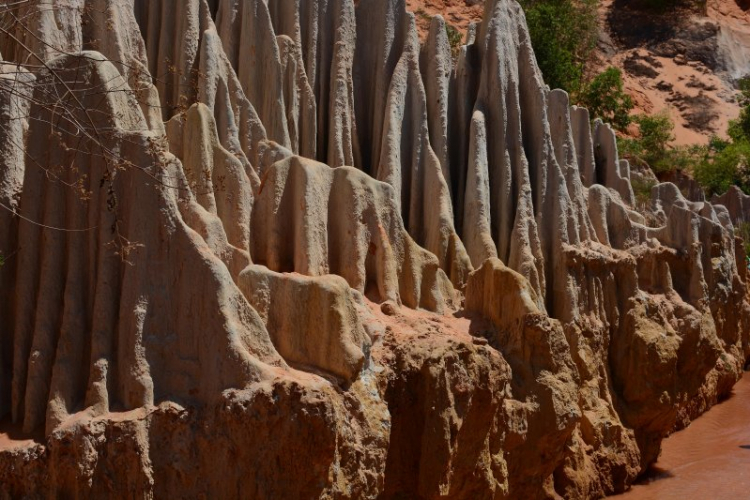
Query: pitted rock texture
[[279, 249]]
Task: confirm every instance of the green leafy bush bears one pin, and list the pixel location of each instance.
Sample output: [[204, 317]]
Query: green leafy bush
[[642, 190], [724, 167], [727, 163], [655, 135], [563, 34], [684, 158], [740, 128], [651, 147], [605, 98]]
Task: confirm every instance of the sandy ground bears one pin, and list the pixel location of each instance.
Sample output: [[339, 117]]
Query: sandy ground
[[710, 459], [700, 102]]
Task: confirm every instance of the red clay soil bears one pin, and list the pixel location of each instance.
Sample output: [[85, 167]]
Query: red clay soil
[[709, 459]]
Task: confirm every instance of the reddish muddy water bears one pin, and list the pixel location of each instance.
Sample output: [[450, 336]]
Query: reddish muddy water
[[708, 460]]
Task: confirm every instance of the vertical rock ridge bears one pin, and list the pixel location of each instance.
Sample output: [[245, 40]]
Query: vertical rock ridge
[[393, 111], [446, 252], [47, 29], [376, 257], [15, 102], [216, 177], [436, 65], [81, 305], [298, 99], [246, 30]]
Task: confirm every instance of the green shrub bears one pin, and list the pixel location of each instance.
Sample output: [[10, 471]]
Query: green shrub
[[655, 135], [605, 98], [564, 34], [651, 147], [740, 128], [631, 149], [727, 163], [724, 168], [642, 190], [716, 167], [717, 144], [684, 158]]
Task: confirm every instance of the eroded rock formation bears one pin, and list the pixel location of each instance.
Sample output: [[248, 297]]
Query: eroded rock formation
[[738, 204], [278, 249]]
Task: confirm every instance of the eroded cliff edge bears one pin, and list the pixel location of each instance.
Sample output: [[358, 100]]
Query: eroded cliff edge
[[304, 256]]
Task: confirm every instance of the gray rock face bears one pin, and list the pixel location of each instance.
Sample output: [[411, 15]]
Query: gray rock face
[[315, 220], [74, 290], [737, 203], [205, 204]]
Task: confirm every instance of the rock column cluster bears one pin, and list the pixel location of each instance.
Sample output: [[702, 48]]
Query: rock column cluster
[[279, 249]]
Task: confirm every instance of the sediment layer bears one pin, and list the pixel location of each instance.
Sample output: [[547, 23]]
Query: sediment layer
[[278, 249]]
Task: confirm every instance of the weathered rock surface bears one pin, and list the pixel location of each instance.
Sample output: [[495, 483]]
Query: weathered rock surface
[[278, 249], [315, 220], [322, 328], [17, 85], [738, 204]]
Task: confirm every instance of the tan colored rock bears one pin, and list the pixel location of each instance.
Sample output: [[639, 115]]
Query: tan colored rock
[[580, 121], [199, 70], [216, 178], [392, 121], [611, 220], [298, 99], [325, 33], [544, 375], [611, 172], [149, 335], [449, 440], [436, 65], [461, 98], [361, 356], [478, 211], [249, 40], [304, 205], [47, 29], [171, 447], [320, 329], [501, 295], [389, 308]]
